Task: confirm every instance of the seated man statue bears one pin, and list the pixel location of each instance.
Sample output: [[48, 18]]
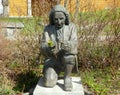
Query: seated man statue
[[59, 47]]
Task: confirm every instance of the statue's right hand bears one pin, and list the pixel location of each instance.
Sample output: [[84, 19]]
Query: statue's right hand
[[51, 46], [48, 48]]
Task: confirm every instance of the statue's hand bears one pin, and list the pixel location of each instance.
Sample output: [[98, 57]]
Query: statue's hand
[[52, 52], [66, 46], [52, 48]]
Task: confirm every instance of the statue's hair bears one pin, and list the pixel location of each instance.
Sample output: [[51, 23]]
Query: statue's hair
[[58, 8]]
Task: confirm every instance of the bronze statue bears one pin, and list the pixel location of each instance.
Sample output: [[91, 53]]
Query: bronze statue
[[59, 46]]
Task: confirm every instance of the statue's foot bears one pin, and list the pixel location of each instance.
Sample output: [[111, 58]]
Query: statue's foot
[[49, 83], [68, 84]]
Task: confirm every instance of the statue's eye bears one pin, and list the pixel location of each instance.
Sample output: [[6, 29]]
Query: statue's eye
[[61, 18], [56, 19]]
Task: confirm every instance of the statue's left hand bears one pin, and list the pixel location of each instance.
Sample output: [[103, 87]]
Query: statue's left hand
[[53, 51], [66, 46]]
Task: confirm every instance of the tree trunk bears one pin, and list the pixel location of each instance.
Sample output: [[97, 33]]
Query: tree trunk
[[77, 9], [66, 3]]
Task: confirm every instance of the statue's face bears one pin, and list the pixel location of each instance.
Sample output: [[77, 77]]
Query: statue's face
[[59, 19]]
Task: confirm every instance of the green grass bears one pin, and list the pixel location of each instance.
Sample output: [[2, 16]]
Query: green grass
[[4, 19], [100, 81], [31, 25]]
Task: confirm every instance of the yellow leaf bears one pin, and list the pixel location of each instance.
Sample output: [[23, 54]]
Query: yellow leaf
[[50, 43]]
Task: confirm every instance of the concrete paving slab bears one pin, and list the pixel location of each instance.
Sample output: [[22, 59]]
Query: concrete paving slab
[[58, 89]]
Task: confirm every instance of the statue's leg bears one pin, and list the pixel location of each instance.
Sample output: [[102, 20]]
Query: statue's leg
[[69, 61], [67, 78], [50, 75]]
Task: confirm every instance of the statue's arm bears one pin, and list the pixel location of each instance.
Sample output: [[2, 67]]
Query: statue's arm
[[72, 43], [47, 45], [44, 46]]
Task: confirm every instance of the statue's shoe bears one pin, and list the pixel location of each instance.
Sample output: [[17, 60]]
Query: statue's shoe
[[68, 84]]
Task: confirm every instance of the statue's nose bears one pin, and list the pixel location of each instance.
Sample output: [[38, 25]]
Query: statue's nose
[[59, 21]]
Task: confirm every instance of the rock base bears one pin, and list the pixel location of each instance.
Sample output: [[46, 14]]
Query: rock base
[[58, 89]]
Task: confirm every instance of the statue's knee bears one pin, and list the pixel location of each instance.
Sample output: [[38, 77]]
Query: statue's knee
[[69, 59], [48, 63], [50, 78]]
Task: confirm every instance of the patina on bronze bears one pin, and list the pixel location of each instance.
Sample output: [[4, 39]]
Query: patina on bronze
[[59, 46]]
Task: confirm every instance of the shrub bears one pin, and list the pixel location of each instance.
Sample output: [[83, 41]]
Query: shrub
[[99, 39]]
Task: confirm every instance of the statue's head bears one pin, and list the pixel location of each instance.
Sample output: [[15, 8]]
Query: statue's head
[[59, 12]]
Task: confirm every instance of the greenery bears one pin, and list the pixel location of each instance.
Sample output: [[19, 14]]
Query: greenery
[[98, 58], [101, 81]]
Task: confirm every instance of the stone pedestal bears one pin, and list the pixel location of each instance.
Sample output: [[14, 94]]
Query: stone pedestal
[[11, 29], [58, 89]]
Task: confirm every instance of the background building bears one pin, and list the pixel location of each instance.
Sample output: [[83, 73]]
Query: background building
[[30, 8]]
